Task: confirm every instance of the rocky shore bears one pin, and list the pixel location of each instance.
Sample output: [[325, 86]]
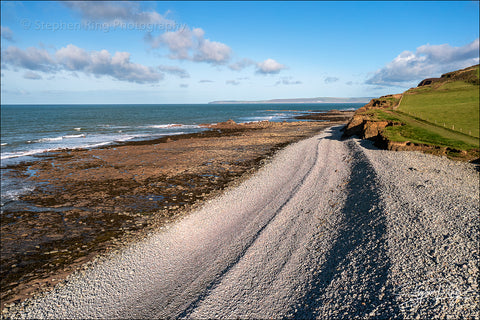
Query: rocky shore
[[88, 202]]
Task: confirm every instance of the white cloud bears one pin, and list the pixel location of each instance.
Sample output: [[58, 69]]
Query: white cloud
[[331, 79], [183, 85], [190, 44], [6, 33], [205, 81], [427, 61], [179, 42], [176, 71], [32, 75], [242, 64], [31, 58], [269, 66], [182, 42], [287, 81], [119, 11], [233, 82], [212, 52], [72, 58]]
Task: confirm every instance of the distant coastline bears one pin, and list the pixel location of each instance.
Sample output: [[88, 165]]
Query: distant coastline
[[300, 100]]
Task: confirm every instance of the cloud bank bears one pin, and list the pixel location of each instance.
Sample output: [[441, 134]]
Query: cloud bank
[[183, 43], [6, 33], [191, 44], [31, 59], [73, 58], [123, 11], [427, 61]]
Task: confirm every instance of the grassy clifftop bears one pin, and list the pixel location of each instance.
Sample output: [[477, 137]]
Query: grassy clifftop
[[452, 102], [441, 117]]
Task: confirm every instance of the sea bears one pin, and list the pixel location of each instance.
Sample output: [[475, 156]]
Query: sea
[[30, 130]]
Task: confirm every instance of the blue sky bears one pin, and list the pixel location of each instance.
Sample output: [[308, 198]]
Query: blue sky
[[196, 52]]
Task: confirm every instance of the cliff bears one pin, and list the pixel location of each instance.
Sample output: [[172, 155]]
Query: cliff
[[365, 125]]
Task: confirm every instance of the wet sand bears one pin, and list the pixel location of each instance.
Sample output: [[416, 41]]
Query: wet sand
[[88, 202]]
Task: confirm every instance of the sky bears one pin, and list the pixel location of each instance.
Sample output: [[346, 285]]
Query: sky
[[95, 52]]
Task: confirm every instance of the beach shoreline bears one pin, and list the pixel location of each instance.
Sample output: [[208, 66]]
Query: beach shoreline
[[345, 230], [91, 201]]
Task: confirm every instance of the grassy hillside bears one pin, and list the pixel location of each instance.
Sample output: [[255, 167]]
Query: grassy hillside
[[450, 104], [443, 114]]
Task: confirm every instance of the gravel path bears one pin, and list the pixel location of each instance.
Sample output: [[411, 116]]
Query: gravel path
[[328, 228]]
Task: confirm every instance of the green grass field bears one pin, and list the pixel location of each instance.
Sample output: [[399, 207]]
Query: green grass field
[[445, 113], [454, 105], [420, 131]]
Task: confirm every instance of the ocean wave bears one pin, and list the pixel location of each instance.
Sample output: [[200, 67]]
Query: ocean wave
[[163, 126], [257, 119], [90, 141], [46, 140], [171, 125], [68, 136], [18, 154], [33, 152], [112, 126], [277, 116], [95, 145], [77, 129], [4, 144]]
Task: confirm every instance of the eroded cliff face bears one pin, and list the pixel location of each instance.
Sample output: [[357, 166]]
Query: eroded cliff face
[[365, 127]]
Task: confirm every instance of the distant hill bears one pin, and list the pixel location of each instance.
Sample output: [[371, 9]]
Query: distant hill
[[300, 100]]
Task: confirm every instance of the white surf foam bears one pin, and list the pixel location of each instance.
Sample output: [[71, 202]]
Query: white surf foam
[[172, 125], [70, 136]]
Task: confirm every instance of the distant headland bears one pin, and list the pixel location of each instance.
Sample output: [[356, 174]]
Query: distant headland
[[302, 100]]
